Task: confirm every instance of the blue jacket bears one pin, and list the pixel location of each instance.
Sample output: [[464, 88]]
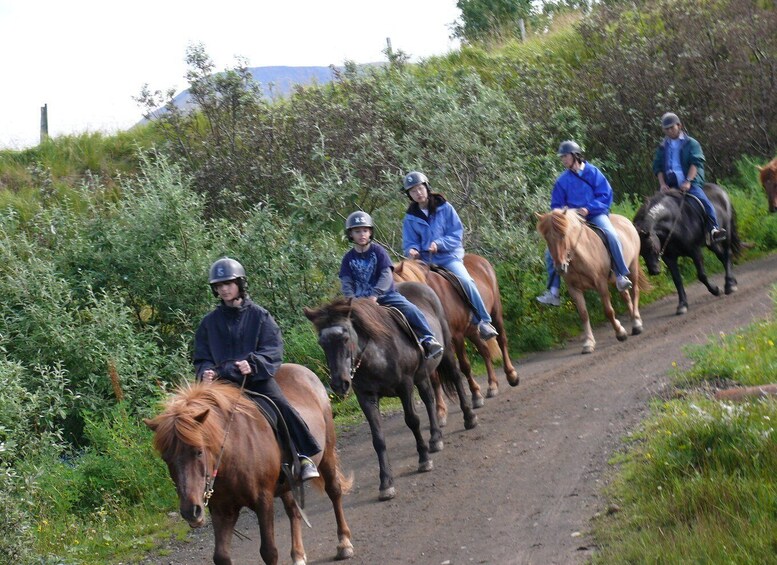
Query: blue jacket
[[443, 227], [590, 189], [690, 154], [228, 334]]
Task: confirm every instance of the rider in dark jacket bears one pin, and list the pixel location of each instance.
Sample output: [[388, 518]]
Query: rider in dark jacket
[[239, 340]]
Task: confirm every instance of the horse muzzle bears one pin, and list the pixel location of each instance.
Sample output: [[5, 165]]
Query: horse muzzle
[[341, 387], [194, 514]]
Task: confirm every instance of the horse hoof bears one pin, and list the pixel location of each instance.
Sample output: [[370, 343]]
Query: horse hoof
[[426, 466], [715, 291], [622, 337], [344, 552], [435, 446], [478, 401], [636, 330], [492, 392], [681, 310], [588, 349], [512, 378], [730, 289], [387, 494], [442, 420], [470, 423]]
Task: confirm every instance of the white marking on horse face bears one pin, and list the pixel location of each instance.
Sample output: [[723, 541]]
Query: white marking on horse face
[[657, 210]]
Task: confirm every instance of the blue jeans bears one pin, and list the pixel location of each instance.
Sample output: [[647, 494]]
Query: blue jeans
[[554, 279], [709, 209], [414, 316], [456, 266], [603, 221]]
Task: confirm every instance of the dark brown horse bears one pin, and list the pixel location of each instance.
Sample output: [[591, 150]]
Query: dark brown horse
[[581, 257], [216, 442], [459, 318], [368, 350]]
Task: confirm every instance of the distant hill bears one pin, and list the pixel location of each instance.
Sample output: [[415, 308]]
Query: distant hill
[[276, 81]]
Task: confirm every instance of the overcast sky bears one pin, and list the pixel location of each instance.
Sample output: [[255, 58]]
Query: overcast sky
[[86, 59]]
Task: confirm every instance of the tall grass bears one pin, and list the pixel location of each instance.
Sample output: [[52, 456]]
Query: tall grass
[[699, 482]]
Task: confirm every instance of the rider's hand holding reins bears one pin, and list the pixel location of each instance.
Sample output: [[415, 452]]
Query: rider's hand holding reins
[[243, 367]]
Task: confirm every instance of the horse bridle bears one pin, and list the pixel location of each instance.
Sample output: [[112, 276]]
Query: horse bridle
[[211, 479]]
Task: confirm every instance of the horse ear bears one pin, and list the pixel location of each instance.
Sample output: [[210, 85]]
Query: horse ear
[[310, 313], [399, 267], [538, 215], [152, 424], [200, 418]]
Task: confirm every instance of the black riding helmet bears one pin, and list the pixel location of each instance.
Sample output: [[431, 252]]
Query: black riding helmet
[[412, 179], [358, 219], [227, 269]]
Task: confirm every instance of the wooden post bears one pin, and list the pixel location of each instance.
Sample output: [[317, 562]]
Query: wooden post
[[44, 123], [389, 51], [522, 25]]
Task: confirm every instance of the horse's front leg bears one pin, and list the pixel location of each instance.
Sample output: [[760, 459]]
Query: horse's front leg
[[609, 311], [589, 343], [674, 270], [485, 354], [371, 407], [264, 512], [223, 526], [298, 556], [334, 489], [439, 400], [723, 252], [466, 369], [698, 262]]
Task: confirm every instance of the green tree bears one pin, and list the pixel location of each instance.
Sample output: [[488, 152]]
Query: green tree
[[483, 18]]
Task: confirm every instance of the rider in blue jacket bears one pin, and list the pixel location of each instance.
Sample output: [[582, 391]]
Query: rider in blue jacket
[[433, 232], [583, 187], [366, 272]]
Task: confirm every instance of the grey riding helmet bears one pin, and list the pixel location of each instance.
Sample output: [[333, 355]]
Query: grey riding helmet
[[358, 219], [412, 179], [669, 119], [569, 146], [227, 269]]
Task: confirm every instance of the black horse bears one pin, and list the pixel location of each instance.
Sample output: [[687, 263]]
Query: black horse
[[367, 348], [672, 225]]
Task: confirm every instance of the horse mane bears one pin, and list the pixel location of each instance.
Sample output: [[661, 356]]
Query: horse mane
[[367, 317], [181, 423], [411, 271]]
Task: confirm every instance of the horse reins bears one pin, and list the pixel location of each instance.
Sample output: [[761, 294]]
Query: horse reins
[[209, 482], [674, 225], [360, 357]]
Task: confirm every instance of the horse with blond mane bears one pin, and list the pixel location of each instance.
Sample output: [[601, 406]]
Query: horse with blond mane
[[583, 260], [459, 316], [222, 453]]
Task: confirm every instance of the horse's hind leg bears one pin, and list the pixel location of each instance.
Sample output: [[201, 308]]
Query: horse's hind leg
[[223, 526], [448, 367], [485, 353], [609, 311], [333, 483], [298, 556], [414, 423], [496, 315], [724, 256]]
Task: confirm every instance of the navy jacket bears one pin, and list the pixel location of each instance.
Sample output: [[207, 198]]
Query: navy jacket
[[227, 334]]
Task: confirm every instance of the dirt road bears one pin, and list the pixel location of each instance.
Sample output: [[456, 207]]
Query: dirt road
[[522, 487]]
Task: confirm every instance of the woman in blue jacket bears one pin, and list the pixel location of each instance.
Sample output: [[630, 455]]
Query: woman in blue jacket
[[432, 231]]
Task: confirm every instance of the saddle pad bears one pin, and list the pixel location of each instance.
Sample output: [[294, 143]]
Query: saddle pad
[[271, 412], [400, 318], [600, 232], [455, 283]]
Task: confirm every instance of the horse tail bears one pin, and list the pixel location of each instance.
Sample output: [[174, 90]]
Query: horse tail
[[643, 281], [449, 374], [736, 243], [493, 349], [346, 481]]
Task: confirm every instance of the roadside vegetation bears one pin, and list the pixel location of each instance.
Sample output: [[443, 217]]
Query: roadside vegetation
[[105, 241]]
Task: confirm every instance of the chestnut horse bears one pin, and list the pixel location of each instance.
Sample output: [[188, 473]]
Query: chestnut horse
[[367, 349], [222, 452], [459, 316], [582, 258]]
